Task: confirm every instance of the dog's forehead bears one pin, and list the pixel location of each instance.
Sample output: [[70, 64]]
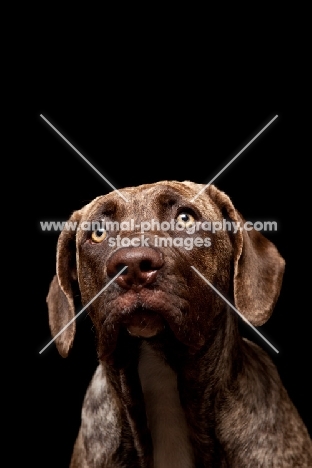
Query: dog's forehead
[[145, 198]]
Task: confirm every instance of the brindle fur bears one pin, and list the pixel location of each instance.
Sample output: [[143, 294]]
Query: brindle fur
[[237, 411]]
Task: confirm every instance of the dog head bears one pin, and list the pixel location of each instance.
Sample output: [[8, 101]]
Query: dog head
[[151, 241]]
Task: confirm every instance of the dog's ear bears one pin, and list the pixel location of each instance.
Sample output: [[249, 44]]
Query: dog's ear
[[60, 298], [258, 266]]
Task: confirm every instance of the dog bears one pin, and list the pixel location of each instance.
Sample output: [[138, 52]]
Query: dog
[[176, 385]]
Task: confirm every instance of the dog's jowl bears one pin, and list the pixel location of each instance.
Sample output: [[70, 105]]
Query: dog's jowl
[[176, 386]]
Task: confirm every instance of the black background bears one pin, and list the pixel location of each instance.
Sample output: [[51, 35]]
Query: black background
[[132, 144]]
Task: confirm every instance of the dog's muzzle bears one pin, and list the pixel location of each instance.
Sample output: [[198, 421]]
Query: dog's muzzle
[[143, 264]]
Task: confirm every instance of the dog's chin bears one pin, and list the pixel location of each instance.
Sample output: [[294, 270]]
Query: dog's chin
[[145, 323], [147, 315]]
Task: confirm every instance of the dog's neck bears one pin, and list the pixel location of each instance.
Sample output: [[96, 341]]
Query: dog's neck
[[198, 380], [169, 395], [165, 416], [202, 379]]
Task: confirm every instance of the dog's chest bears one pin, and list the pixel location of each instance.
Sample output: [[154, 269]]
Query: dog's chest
[[166, 419]]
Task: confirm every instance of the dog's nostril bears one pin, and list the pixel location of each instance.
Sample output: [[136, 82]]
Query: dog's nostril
[[146, 265], [142, 266]]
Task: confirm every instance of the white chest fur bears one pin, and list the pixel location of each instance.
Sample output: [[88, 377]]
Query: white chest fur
[[165, 416]]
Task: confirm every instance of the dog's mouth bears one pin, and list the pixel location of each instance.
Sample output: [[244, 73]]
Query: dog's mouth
[[148, 314], [145, 314], [144, 323]]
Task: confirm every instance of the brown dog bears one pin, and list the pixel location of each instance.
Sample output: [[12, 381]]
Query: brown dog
[[176, 385]]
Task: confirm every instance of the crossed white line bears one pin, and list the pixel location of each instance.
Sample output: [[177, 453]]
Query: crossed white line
[[238, 154], [84, 308], [194, 198], [235, 310], [84, 158]]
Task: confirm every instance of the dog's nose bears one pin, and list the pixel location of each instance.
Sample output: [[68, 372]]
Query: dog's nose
[[142, 264]]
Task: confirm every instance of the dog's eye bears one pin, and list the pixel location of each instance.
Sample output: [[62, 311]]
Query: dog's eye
[[98, 235], [185, 219]]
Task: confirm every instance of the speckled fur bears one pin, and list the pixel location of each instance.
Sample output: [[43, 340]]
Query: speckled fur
[[227, 400]]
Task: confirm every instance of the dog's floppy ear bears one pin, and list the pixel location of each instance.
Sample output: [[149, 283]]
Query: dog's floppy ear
[[258, 266], [60, 298]]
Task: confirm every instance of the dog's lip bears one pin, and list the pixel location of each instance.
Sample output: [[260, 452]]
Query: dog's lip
[[144, 323], [145, 314], [130, 305]]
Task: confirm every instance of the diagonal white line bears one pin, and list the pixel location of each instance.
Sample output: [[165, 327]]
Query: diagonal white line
[[84, 158], [237, 311], [227, 165], [83, 309]]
